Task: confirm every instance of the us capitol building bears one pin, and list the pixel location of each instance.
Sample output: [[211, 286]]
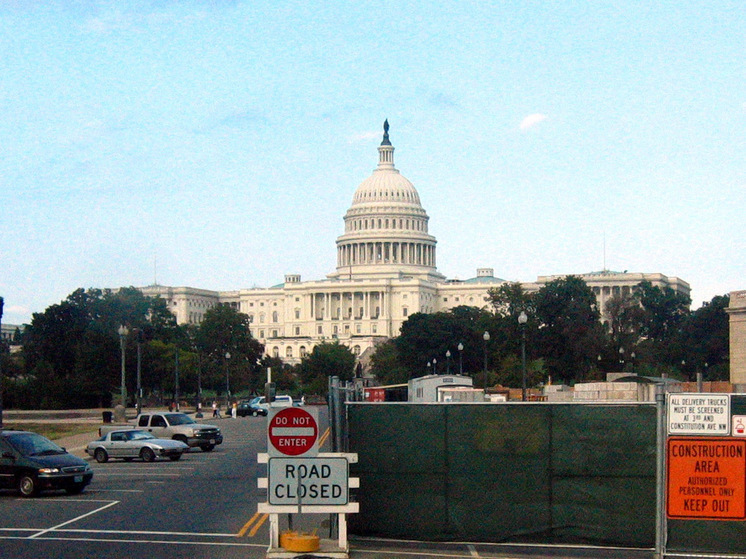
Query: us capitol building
[[386, 271]]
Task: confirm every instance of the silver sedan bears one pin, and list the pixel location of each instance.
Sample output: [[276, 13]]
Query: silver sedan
[[133, 443]]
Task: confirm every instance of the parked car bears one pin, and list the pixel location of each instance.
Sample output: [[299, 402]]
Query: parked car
[[177, 426], [134, 443], [250, 407], [32, 463], [281, 400]]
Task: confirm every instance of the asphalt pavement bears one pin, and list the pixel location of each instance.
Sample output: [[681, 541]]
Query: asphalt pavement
[[368, 548]]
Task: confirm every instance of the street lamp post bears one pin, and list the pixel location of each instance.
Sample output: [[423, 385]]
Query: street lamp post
[[448, 361], [227, 382], [199, 386], [435, 366], [176, 380], [621, 358], [122, 331], [632, 356], [486, 338], [460, 359], [138, 338], [428, 368], [522, 319]]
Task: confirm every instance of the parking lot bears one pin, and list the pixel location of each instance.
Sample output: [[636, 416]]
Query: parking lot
[[206, 500], [203, 506]]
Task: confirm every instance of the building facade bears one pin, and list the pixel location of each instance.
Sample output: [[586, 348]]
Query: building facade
[[737, 325], [386, 270]]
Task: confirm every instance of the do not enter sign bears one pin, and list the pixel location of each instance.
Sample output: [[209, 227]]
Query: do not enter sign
[[292, 432]]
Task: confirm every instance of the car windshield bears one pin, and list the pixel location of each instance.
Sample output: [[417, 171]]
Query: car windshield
[[179, 419], [256, 400], [31, 444], [139, 436]]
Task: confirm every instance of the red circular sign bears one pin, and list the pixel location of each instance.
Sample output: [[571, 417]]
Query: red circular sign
[[293, 431]]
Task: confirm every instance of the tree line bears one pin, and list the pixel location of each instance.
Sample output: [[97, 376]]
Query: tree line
[[71, 353], [650, 331]]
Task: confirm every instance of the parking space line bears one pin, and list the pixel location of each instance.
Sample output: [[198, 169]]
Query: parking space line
[[149, 541], [111, 504], [119, 491], [98, 474]]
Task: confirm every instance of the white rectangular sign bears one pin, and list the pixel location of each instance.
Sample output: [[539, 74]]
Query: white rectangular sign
[[308, 481], [698, 414]]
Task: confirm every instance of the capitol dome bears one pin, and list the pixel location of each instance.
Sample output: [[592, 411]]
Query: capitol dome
[[386, 227]]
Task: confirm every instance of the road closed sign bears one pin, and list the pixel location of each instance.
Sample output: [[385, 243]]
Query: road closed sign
[[308, 481], [292, 431], [706, 478]]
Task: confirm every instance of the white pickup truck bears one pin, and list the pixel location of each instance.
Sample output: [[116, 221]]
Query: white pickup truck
[[172, 425]]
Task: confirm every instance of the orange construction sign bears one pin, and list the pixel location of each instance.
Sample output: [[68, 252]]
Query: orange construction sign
[[706, 478]]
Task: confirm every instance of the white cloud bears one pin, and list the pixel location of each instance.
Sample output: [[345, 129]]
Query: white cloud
[[364, 136], [532, 120]]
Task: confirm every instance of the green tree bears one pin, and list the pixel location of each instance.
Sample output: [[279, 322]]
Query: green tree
[[326, 360], [427, 337], [73, 347], [386, 365], [229, 352], [704, 339], [664, 313], [569, 336]]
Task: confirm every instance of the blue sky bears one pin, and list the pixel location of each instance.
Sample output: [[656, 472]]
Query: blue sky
[[217, 144]]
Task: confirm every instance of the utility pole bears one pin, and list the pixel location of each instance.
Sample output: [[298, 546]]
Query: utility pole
[[2, 303]]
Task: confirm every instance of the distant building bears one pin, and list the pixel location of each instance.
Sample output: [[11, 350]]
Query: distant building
[[8, 332], [386, 271], [737, 318]]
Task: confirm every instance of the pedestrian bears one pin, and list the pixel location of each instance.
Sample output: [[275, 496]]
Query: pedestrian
[[234, 410], [215, 409]]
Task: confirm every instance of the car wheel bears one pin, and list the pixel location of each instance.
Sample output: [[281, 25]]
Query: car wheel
[[175, 457], [147, 454], [100, 455], [75, 489], [254, 413], [27, 486], [207, 447]]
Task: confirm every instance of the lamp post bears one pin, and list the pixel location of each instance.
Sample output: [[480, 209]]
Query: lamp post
[[138, 339], [632, 356], [122, 331], [176, 380], [428, 368], [621, 359], [486, 338], [2, 303], [448, 361], [435, 366], [522, 319], [227, 381], [198, 415], [460, 359]]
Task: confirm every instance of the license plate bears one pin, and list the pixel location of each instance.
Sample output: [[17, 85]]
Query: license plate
[[78, 479], [212, 441]]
